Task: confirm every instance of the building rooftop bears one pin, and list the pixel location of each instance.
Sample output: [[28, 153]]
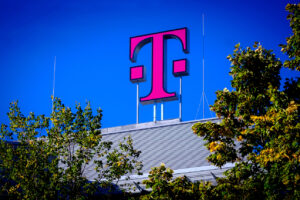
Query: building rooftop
[[170, 142]]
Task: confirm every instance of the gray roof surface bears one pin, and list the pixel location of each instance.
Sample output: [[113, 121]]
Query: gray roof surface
[[174, 144], [171, 142]]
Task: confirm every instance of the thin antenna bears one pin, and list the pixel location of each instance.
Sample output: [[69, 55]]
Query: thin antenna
[[203, 96], [53, 82], [203, 62]]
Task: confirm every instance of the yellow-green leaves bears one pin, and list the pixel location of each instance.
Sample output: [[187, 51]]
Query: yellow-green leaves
[[292, 46], [260, 128], [164, 186], [49, 160]]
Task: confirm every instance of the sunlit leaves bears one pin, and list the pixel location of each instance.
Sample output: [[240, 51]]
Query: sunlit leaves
[[164, 186], [54, 166], [260, 127], [292, 46]]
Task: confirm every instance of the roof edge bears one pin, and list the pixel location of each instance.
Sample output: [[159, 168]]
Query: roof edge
[[146, 125], [184, 171]]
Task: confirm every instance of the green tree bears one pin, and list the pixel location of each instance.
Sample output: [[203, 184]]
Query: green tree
[[259, 130], [164, 186], [260, 127], [54, 166], [292, 46]]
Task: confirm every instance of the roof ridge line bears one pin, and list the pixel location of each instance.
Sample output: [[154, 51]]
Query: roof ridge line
[[147, 125]]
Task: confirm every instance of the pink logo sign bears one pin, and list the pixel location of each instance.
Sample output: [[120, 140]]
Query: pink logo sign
[[158, 91]]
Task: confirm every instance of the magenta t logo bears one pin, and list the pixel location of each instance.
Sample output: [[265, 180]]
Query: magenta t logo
[[158, 91]]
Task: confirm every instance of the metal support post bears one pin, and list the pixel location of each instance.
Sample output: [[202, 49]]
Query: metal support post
[[162, 111], [180, 98], [154, 112], [137, 103]]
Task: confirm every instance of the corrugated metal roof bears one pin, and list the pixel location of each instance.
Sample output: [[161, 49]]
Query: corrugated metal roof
[[170, 142]]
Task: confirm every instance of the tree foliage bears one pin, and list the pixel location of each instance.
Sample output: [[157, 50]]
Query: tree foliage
[[292, 46], [55, 165], [164, 186], [259, 130]]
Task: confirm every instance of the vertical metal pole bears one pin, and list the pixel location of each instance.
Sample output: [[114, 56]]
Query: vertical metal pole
[[53, 95], [154, 112], [162, 111], [53, 81], [203, 63], [137, 103], [180, 98]]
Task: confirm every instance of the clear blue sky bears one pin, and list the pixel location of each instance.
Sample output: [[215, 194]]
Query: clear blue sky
[[90, 40]]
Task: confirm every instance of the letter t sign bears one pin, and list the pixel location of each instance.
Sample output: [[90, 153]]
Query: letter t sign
[[158, 91]]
